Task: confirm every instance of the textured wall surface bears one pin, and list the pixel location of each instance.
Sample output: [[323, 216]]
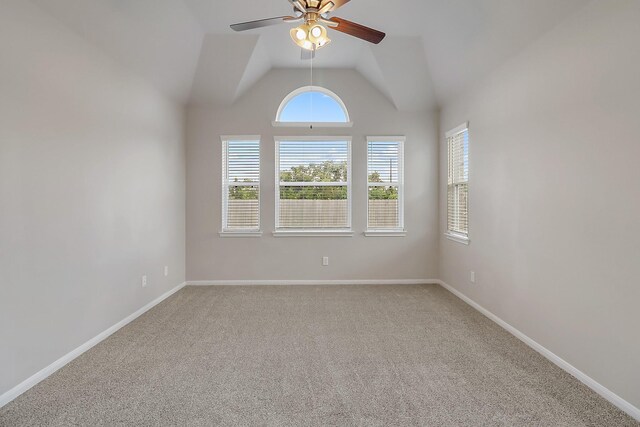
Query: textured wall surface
[[554, 199], [92, 178], [210, 257]]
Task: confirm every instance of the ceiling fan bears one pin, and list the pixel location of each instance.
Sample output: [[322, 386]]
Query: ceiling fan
[[311, 34]]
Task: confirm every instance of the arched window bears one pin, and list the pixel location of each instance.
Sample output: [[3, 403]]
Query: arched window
[[312, 105]]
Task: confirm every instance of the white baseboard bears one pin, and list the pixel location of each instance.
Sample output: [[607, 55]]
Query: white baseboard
[[563, 364], [581, 376], [311, 282], [44, 373]]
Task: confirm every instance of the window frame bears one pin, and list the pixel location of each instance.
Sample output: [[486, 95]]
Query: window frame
[[224, 230], [451, 234], [303, 89], [313, 232], [400, 231]]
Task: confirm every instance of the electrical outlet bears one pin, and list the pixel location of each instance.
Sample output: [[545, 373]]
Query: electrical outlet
[[325, 261], [472, 277], [144, 280], [166, 270]]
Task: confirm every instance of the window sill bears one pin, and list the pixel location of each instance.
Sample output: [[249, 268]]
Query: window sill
[[315, 125], [240, 234], [313, 233], [385, 233], [457, 238]]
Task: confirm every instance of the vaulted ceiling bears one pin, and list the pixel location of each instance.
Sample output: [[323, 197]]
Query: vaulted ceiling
[[433, 49]]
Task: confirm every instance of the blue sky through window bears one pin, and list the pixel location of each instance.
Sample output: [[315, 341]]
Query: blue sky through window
[[313, 107], [383, 160]]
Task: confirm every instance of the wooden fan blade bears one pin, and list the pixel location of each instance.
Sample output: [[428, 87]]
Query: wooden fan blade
[[336, 4], [357, 30], [243, 26]]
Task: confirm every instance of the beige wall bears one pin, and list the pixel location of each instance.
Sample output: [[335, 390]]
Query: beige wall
[[555, 194], [91, 192], [210, 257]]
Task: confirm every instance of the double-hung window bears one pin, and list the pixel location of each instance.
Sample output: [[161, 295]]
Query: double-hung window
[[385, 185], [241, 185], [313, 185], [458, 184]]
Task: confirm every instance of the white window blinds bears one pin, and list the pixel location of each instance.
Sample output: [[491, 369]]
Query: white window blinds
[[458, 181], [385, 183], [313, 191], [240, 184]]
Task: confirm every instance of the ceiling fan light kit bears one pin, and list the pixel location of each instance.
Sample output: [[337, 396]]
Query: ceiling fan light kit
[[312, 34]]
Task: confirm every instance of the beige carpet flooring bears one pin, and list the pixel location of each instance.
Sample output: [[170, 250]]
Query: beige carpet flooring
[[312, 356]]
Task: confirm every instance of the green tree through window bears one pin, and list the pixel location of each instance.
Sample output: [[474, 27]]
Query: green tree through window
[[242, 193], [381, 193]]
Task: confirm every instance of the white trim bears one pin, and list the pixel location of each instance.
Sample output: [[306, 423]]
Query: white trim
[[385, 233], [581, 376], [312, 124], [457, 130], [452, 235], [304, 89], [460, 238], [557, 360], [312, 233], [225, 139], [312, 282], [400, 184], [316, 184], [383, 184], [240, 233], [47, 371], [240, 138], [312, 138], [244, 184], [279, 232], [395, 138]]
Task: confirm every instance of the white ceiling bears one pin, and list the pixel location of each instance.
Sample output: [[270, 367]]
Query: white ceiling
[[433, 49]]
